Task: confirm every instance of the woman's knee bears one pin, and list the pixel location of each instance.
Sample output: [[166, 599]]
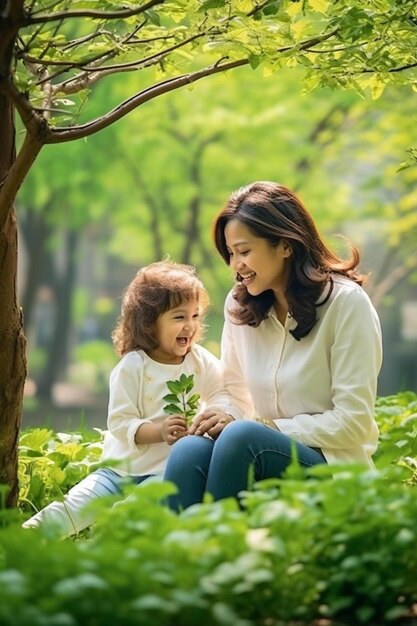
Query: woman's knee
[[190, 450], [240, 431]]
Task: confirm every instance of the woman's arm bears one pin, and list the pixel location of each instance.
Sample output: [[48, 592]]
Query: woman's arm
[[242, 405], [217, 402], [355, 361]]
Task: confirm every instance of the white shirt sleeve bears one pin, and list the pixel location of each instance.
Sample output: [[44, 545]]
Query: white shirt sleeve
[[242, 406], [214, 394], [124, 414], [355, 361]]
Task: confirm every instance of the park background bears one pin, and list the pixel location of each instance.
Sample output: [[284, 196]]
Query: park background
[[93, 212], [338, 549]]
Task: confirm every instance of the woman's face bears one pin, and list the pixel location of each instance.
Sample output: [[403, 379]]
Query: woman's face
[[260, 265]]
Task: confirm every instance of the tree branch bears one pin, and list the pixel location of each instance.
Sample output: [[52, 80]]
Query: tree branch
[[66, 64], [43, 18], [38, 127], [12, 14], [141, 62], [257, 8], [34, 123], [17, 173], [396, 275], [58, 135], [78, 42], [86, 79], [103, 56], [402, 68]]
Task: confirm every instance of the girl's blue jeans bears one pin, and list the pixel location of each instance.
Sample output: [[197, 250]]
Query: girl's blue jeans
[[198, 464]]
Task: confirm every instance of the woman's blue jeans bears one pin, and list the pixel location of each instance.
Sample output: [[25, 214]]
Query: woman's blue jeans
[[198, 464]]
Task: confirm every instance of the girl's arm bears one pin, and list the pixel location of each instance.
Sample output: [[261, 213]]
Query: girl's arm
[[125, 413], [170, 430]]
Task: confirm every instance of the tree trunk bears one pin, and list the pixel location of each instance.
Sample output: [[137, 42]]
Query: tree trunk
[[12, 340]]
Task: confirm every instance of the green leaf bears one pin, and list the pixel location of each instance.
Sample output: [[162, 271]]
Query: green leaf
[[254, 60], [173, 409], [174, 386], [271, 8], [212, 4], [170, 397], [184, 379], [178, 401], [153, 17]]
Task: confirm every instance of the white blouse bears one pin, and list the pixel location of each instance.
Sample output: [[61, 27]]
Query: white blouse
[[319, 390], [137, 386]]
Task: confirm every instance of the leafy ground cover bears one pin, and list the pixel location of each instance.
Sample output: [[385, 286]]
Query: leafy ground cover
[[324, 548]]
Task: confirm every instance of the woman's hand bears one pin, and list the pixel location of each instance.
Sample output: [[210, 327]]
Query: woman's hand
[[173, 428], [212, 422]]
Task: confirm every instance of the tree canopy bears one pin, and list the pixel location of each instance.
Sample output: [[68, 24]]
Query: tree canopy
[[52, 54]]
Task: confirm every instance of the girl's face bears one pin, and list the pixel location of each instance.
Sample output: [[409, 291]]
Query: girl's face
[[175, 331], [260, 265]]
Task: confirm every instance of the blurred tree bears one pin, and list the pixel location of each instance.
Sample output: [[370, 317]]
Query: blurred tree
[[56, 207], [52, 54], [389, 186]]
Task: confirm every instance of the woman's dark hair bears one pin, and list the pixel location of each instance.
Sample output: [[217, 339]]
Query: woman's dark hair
[[156, 288], [273, 212]]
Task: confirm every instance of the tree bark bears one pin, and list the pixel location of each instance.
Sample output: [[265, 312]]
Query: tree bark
[[12, 360], [12, 340]]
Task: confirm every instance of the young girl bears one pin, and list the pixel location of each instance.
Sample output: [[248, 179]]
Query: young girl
[[156, 335]]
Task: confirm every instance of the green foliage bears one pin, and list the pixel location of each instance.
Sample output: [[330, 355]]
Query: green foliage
[[180, 399], [411, 161], [51, 463], [397, 419], [341, 44], [340, 546]]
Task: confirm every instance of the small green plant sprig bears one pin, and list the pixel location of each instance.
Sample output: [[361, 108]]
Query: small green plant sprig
[[180, 402]]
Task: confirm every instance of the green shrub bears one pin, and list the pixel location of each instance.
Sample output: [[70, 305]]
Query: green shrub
[[397, 420], [340, 546], [51, 463]]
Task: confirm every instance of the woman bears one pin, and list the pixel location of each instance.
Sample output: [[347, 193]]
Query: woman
[[301, 349]]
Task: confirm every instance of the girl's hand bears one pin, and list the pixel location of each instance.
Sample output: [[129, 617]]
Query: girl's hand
[[212, 422], [173, 428]]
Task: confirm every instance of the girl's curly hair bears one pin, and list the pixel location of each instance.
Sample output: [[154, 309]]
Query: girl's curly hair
[[273, 212], [156, 288]]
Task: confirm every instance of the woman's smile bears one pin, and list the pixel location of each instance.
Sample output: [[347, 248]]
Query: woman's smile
[[248, 278], [259, 264]]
